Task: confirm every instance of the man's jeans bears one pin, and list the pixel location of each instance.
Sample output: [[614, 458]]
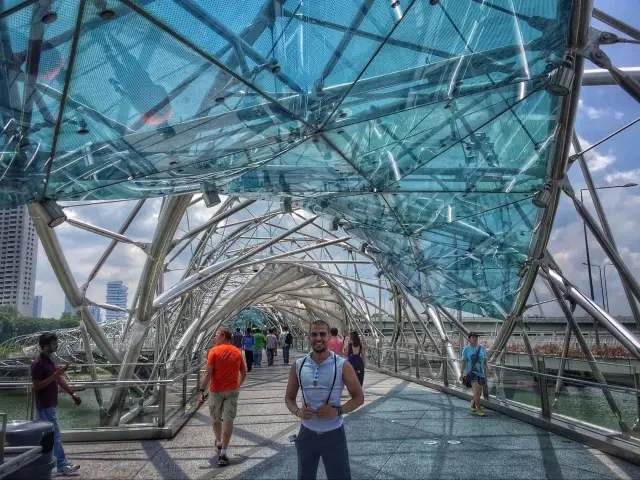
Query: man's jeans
[[331, 446], [49, 415], [257, 358], [270, 353], [285, 353]]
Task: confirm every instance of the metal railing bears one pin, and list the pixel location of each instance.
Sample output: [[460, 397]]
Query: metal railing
[[437, 369], [172, 390]]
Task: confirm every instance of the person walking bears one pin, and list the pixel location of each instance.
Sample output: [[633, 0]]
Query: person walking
[[336, 344], [354, 351], [474, 365], [320, 377], [286, 340], [258, 346], [46, 377], [237, 339], [225, 373], [272, 346], [248, 348]]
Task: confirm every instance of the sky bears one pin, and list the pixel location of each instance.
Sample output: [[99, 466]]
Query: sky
[[615, 162]]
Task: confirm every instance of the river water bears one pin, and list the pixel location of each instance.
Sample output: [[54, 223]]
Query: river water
[[86, 415], [586, 404]]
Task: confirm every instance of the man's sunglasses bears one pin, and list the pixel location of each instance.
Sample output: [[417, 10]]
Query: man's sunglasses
[[318, 334]]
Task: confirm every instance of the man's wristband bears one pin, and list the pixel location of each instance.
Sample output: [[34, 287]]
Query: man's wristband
[[296, 412], [339, 411], [202, 390]]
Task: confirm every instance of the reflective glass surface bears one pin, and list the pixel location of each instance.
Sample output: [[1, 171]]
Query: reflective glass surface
[[424, 129]]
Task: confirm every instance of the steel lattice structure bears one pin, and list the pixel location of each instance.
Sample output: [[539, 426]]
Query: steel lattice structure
[[436, 133]]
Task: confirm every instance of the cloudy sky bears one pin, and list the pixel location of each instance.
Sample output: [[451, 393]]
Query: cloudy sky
[[602, 111]]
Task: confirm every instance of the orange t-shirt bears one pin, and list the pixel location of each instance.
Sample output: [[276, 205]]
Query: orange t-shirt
[[227, 363]]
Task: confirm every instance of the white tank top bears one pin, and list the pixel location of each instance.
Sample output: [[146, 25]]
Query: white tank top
[[309, 372]]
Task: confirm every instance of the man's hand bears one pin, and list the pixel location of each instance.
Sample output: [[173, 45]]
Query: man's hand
[[327, 411], [76, 399], [305, 413], [200, 399], [60, 370]]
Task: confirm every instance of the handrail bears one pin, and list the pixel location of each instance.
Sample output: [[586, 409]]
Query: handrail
[[524, 354], [109, 383], [20, 461], [629, 390]]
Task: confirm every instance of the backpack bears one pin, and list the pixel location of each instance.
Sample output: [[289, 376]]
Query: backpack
[[288, 340]]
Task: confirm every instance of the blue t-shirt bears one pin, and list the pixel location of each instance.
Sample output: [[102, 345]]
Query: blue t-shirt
[[482, 357], [248, 342]]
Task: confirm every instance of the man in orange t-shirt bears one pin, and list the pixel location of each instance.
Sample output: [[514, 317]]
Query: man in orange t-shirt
[[227, 372]]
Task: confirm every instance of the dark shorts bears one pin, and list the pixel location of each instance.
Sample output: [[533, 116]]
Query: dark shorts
[[473, 378]]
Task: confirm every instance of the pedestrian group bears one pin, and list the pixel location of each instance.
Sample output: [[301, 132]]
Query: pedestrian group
[[314, 389]]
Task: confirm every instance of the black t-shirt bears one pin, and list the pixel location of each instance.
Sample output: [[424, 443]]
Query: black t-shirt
[[42, 368]]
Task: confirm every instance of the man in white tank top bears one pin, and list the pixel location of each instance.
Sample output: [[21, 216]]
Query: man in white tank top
[[320, 377]]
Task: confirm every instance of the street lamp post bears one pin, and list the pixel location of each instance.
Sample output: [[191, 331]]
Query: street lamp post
[[606, 291], [586, 246], [604, 303]]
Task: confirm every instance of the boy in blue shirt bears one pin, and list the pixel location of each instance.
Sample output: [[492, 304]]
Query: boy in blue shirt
[[474, 366]]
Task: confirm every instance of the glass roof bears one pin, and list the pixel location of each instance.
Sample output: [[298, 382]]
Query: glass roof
[[423, 126]]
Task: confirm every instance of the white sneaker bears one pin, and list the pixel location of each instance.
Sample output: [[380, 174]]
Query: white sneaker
[[68, 470]]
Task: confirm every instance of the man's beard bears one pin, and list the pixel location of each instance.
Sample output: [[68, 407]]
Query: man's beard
[[320, 349]]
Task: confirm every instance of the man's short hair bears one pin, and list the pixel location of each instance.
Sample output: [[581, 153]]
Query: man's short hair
[[237, 329], [46, 338], [319, 322], [334, 331], [226, 332], [285, 329]]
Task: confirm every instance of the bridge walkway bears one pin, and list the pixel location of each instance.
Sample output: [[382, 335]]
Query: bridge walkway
[[404, 430]]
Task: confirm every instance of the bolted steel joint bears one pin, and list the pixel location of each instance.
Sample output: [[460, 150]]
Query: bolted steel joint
[[542, 197], [560, 81]]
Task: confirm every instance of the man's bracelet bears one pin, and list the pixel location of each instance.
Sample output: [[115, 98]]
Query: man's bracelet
[[296, 412], [340, 411], [202, 390]]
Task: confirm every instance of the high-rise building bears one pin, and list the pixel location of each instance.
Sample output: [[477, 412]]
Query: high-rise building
[[67, 306], [117, 294], [37, 306], [18, 255], [95, 311]]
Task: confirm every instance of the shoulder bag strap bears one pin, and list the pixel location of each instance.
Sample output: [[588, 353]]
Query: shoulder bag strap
[[304, 402]]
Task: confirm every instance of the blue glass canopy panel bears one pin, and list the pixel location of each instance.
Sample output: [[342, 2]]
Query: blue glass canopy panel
[[424, 129]]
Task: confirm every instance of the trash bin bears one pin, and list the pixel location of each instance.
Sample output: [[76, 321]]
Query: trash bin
[[30, 434]]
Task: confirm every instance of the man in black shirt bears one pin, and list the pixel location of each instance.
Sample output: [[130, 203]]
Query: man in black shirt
[[46, 377]]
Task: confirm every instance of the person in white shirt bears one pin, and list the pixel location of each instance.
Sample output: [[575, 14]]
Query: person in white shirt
[[320, 377], [272, 345]]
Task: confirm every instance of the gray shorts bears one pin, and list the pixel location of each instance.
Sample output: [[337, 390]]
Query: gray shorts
[[223, 405]]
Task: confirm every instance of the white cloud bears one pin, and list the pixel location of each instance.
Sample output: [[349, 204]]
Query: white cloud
[[595, 159], [624, 177], [618, 115], [591, 112]]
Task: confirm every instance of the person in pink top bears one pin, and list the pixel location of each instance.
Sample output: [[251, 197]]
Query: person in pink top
[[335, 342]]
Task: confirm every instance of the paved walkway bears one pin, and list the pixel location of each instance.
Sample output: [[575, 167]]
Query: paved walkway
[[403, 431]]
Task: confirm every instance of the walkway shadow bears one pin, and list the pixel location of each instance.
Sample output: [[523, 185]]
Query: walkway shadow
[[285, 451], [549, 457]]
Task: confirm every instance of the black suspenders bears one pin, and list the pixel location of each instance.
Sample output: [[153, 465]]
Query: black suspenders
[[335, 374]]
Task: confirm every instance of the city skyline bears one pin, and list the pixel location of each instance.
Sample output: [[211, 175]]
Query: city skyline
[[117, 294], [18, 259], [37, 306]]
